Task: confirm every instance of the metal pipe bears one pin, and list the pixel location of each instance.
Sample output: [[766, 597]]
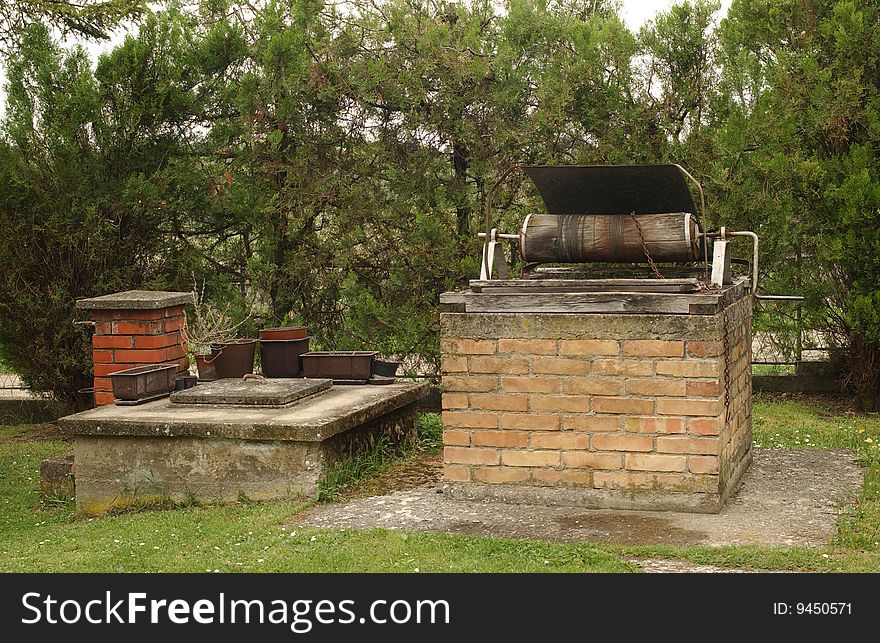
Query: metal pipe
[[780, 297], [742, 233]]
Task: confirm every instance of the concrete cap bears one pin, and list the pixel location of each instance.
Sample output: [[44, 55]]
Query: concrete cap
[[259, 392], [313, 418], [136, 300]]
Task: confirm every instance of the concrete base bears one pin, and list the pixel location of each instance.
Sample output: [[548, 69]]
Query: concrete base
[[163, 451], [629, 499], [57, 477], [787, 499]]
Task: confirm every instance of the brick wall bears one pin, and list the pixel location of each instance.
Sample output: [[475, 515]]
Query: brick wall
[[608, 403]]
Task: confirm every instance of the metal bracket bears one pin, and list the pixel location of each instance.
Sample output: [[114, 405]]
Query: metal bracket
[[720, 261], [493, 255]]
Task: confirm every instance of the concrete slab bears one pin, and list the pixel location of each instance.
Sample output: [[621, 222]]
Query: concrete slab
[[315, 418], [136, 300], [251, 392], [787, 498]]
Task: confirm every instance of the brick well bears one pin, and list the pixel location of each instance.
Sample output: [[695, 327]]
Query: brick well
[[135, 328], [620, 410]]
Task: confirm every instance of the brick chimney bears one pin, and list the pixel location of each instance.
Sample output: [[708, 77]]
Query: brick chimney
[[135, 328]]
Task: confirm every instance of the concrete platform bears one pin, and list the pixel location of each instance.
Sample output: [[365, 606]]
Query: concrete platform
[[209, 452], [787, 498]]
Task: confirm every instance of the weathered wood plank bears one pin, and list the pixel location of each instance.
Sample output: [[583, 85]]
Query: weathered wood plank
[[584, 285], [607, 302]]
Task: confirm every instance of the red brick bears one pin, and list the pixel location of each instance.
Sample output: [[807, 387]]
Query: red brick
[[530, 384], [503, 365], [454, 401], [589, 347], [560, 403], [683, 444], [587, 386], [591, 460], [708, 388], [530, 458], [622, 405], [157, 341], [687, 407], [532, 421], [501, 475], [147, 356], [138, 327], [102, 357], [630, 367], [564, 440], [469, 455], [173, 323], [456, 437], [478, 384], [102, 398], [590, 423], [468, 346], [103, 384], [103, 370], [111, 341], [182, 364], [450, 364], [560, 366], [527, 346], [688, 368], [703, 464], [174, 311], [173, 353], [653, 348], [654, 425], [470, 420], [506, 439], [669, 388], [703, 349], [142, 315], [103, 328], [456, 473], [499, 402], [622, 442], [704, 426], [654, 462]]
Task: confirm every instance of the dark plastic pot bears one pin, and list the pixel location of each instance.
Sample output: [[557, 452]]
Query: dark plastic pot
[[207, 369], [184, 382], [281, 357], [143, 381], [85, 398], [342, 365], [235, 358], [293, 332], [385, 368]]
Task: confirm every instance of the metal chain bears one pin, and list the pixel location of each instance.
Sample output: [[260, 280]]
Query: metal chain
[[645, 247], [725, 352]]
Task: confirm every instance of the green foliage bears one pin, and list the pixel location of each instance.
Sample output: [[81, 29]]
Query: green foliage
[[73, 205], [332, 168], [85, 18]]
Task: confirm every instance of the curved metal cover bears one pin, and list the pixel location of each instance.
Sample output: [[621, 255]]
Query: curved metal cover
[[612, 189]]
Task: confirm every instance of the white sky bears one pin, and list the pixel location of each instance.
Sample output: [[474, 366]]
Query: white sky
[[635, 13]]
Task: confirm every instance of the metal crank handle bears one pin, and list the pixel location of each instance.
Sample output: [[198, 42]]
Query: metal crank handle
[[499, 235]]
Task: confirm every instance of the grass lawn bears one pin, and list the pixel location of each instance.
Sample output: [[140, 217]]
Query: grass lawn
[[49, 536]]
